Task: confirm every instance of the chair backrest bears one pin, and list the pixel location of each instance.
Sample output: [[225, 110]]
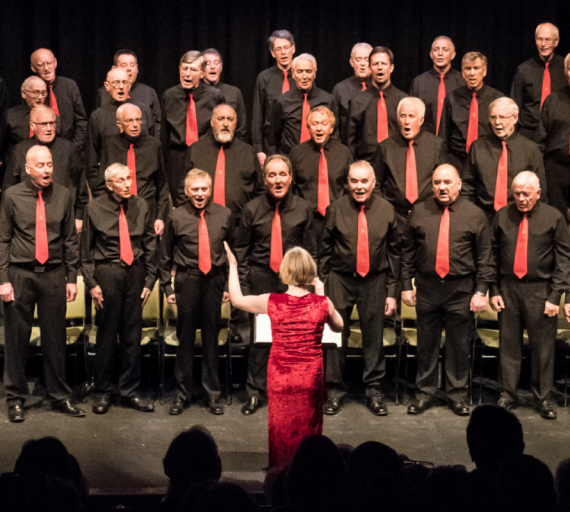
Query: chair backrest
[[151, 309], [75, 309], [562, 322]]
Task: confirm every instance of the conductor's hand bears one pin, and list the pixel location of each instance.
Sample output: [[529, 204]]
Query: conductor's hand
[[97, 296], [390, 306], [71, 291], [319, 286], [7, 292], [409, 298], [144, 296], [551, 309], [478, 303], [225, 297], [171, 299], [231, 258], [497, 303]]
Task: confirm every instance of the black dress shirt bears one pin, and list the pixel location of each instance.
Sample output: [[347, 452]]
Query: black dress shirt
[[268, 87], [554, 130], [469, 243], [179, 244], [175, 109], [233, 98], [100, 239], [480, 175], [362, 134], [253, 238], [342, 93], [455, 117], [15, 128], [287, 115], [149, 162], [526, 89], [139, 94], [68, 169], [548, 253], [305, 162], [337, 249], [390, 166], [426, 88], [243, 172], [71, 111], [18, 228]]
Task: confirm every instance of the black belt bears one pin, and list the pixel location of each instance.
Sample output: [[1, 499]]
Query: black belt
[[117, 262], [36, 267]]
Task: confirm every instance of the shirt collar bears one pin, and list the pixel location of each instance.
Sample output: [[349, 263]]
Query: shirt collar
[[46, 192], [117, 204], [367, 204], [318, 148], [452, 207], [210, 137], [376, 92], [194, 211], [282, 202]]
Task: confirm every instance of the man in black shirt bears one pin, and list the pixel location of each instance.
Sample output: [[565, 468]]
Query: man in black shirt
[[344, 91], [271, 224], [359, 258], [447, 249], [139, 92], [531, 248], [536, 78], [193, 242], [63, 98], [405, 161], [38, 266], [372, 113], [466, 110], [434, 85], [118, 263], [232, 95], [320, 166], [186, 116], [142, 153], [68, 169], [495, 159], [270, 84], [290, 111]]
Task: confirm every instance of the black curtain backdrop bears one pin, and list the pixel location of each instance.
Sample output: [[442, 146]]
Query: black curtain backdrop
[[85, 35]]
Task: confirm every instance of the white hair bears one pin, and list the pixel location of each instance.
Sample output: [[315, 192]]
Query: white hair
[[305, 56], [364, 46], [113, 170], [511, 104], [414, 102], [28, 82], [526, 177], [124, 107]]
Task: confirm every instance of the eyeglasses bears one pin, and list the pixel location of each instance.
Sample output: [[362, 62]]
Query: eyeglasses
[[137, 120], [282, 49], [500, 118], [45, 64], [117, 83], [49, 123], [37, 94], [122, 181], [546, 40]]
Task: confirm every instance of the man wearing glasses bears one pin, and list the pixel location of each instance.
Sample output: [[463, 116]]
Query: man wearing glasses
[[495, 159], [118, 264], [63, 98]]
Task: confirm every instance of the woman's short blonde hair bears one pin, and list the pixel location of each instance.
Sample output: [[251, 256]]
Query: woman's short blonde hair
[[298, 268]]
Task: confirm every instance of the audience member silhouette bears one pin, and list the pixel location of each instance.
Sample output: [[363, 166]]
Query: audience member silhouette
[[224, 497], [562, 485], [387, 492], [274, 486], [448, 489]]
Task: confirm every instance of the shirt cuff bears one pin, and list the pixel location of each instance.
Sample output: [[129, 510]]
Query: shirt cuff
[[71, 277], [494, 291], [90, 282], [79, 213], [482, 287], [168, 290], [392, 291], [554, 297], [149, 283], [407, 285]]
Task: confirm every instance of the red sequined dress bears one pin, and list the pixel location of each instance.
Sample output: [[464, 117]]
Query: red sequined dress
[[295, 388]]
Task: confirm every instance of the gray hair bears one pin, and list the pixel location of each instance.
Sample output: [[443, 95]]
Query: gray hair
[[281, 158], [414, 102], [555, 30], [280, 34], [193, 56], [305, 56], [196, 174], [28, 82], [364, 46], [473, 56], [113, 170], [213, 51], [513, 107], [39, 109], [446, 38], [361, 164], [124, 107], [526, 177]]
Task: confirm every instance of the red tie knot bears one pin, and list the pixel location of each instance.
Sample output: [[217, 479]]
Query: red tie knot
[[362, 206], [504, 144], [441, 77], [131, 146], [474, 95], [546, 64], [411, 143], [40, 193], [285, 75]]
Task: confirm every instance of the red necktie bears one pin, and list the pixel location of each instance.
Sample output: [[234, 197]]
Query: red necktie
[[363, 86], [126, 249], [521, 250], [501, 186], [53, 101], [382, 128], [411, 174], [440, 100], [276, 256], [442, 256], [305, 135], [545, 84], [204, 258], [42, 251], [473, 127], [220, 179], [285, 86], [191, 122], [323, 193], [362, 251], [131, 164]]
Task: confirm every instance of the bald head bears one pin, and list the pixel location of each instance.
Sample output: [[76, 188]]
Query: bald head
[[41, 111], [34, 91], [39, 166], [546, 38], [129, 120], [44, 64], [446, 184], [118, 84]]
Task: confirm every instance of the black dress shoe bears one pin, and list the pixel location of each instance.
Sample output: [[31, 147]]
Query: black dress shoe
[[235, 337], [507, 404], [215, 407], [377, 406], [547, 410], [16, 413], [178, 405], [419, 406], [251, 406], [101, 405], [332, 406], [137, 403], [70, 409], [459, 408]]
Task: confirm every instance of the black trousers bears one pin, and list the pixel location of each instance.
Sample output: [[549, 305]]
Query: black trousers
[[48, 291], [443, 305], [524, 309], [261, 280], [558, 184], [175, 167], [121, 316], [369, 295], [199, 300]]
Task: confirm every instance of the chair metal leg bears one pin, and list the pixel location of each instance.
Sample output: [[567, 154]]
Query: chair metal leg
[[472, 365]]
